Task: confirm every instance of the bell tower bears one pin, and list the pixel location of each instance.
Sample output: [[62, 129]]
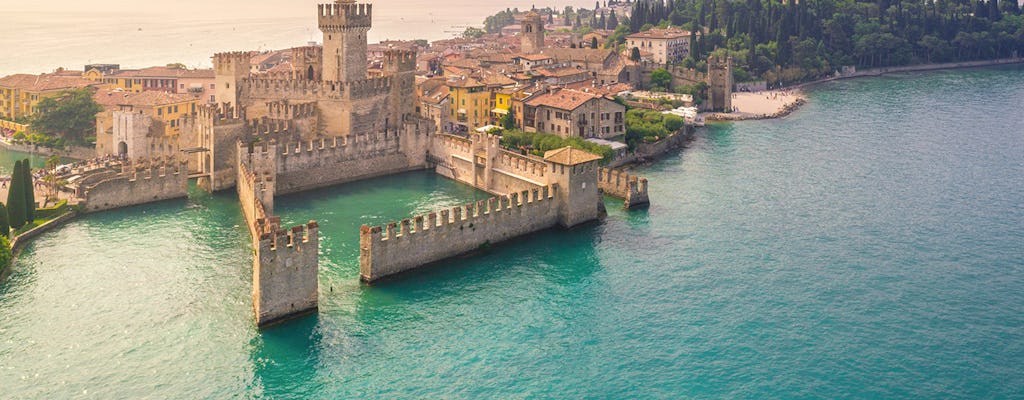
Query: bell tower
[[344, 25], [531, 38]]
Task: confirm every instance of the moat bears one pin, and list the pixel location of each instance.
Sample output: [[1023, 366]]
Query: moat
[[868, 244]]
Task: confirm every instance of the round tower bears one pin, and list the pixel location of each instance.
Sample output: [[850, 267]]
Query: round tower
[[344, 24], [532, 36], [229, 69]]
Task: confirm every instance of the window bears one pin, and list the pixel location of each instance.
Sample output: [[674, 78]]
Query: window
[[212, 85], [182, 86], [159, 111], [175, 108]]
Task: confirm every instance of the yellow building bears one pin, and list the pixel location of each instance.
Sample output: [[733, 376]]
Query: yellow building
[[147, 123], [470, 102], [502, 103], [20, 94]]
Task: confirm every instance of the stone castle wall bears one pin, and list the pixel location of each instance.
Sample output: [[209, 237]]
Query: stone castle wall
[[502, 172], [285, 263], [615, 183], [403, 246], [137, 183]]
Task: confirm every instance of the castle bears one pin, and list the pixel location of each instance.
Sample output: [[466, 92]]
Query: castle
[[326, 122]]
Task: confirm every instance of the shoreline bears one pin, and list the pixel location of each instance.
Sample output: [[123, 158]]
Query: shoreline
[[801, 97]]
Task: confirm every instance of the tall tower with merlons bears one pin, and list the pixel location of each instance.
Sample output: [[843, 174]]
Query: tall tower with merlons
[[344, 24]]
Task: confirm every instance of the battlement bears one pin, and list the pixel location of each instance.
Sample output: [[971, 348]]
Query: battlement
[[531, 167], [631, 188], [147, 168], [423, 239], [285, 110], [220, 114], [455, 218], [457, 143], [399, 60], [139, 181], [290, 239], [342, 16], [351, 147], [231, 62], [275, 87]]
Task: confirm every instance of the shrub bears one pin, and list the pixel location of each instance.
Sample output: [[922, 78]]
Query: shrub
[[5, 253]]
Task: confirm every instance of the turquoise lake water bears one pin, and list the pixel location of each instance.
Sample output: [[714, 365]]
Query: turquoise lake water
[[870, 245]]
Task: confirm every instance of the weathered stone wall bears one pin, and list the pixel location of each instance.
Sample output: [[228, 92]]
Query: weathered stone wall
[[137, 184], [615, 183], [285, 264], [284, 276], [315, 164], [488, 167], [423, 240]]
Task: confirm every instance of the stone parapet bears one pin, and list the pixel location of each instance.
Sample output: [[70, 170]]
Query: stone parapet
[[615, 183], [401, 246]]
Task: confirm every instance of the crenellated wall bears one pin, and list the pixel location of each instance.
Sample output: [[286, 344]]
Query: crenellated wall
[[411, 243], [481, 162], [285, 261], [631, 188], [139, 182]]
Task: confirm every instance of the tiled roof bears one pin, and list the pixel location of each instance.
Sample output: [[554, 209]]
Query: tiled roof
[[45, 82], [164, 72], [144, 99], [570, 156], [670, 33], [564, 99], [463, 82], [587, 55]]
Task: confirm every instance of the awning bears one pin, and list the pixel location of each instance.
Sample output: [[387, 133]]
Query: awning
[[499, 111], [462, 111]]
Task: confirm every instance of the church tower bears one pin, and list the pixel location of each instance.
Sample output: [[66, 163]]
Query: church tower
[[532, 36], [344, 24]]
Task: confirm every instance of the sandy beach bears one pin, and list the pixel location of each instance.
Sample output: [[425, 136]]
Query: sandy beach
[[761, 105]]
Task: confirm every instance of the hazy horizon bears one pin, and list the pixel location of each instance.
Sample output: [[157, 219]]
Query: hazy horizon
[[72, 34]]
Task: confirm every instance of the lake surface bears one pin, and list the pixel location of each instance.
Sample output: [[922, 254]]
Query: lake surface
[[870, 245], [42, 36]]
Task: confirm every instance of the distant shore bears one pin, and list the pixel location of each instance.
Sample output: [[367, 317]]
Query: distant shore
[[782, 102]]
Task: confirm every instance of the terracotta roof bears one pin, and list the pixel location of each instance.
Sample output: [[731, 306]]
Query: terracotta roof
[[560, 72], [564, 99], [570, 156], [463, 82], [588, 55], [144, 99], [669, 33], [164, 72], [45, 82], [534, 57]]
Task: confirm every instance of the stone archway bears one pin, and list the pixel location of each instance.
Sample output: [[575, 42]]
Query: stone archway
[[122, 149]]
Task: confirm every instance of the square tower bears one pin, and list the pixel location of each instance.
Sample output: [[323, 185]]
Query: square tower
[[531, 38], [574, 172], [344, 24], [720, 84]]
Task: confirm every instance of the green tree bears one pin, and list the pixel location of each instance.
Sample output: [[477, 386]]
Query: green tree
[[508, 121], [5, 225], [635, 54], [473, 33], [51, 178], [661, 79], [72, 115], [6, 255], [16, 198], [30, 191]]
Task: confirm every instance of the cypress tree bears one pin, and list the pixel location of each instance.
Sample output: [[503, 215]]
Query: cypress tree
[[30, 191], [5, 226], [16, 199]]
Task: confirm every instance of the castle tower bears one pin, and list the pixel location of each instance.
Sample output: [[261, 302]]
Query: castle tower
[[532, 36], [344, 24], [720, 84], [575, 173], [307, 63], [401, 65], [230, 69]]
